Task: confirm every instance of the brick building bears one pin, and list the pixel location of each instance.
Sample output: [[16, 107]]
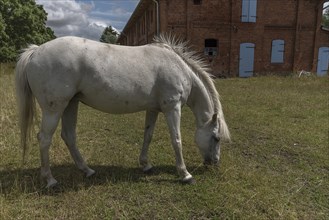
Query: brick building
[[239, 37]]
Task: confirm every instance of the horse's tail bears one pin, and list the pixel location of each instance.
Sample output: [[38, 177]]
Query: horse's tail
[[25, 98]]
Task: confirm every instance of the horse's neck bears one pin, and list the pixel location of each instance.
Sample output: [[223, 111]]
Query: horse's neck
[[200, 103]]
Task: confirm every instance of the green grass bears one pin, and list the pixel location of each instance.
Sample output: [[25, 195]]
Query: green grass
[[275, 168]]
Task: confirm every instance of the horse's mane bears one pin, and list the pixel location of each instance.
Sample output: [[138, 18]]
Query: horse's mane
[[200, 69], [195, 61]]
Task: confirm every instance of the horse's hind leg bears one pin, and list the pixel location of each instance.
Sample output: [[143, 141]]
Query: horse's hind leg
[[150, 119], [69, 121], [48, 127]]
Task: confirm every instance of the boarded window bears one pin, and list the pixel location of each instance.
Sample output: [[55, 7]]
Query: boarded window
[[210, 47], [277, 53], [249, 11]]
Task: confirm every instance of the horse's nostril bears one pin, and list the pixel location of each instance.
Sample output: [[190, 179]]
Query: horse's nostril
[[208, 161]]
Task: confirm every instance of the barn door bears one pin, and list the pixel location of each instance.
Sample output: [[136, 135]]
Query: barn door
[[246, 60], [323, 61]]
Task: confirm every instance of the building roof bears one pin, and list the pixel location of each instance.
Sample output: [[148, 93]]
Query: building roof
[[139, 10]]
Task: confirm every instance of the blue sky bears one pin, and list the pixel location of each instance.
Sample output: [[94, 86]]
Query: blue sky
[[87, 18]]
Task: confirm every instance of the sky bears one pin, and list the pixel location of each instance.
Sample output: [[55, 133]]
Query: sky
[[87, 18]]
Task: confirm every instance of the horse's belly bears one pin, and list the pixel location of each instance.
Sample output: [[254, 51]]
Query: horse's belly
[[116, 104]]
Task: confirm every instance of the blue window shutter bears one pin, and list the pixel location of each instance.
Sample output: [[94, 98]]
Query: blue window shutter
[[249, 11], [245, 11], [277, 53], [323, 61], [252, 10], [246, 59]]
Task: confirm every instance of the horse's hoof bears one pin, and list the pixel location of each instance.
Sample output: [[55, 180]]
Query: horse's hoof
[[189, 181], [148, 169], [51, 184], [90, 173], [53, 189]]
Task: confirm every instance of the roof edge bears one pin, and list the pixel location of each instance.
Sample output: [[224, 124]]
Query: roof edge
[[137, 13]]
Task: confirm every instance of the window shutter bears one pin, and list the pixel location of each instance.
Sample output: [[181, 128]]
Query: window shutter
[[252, 10], [277, 53], [245, 11], [249, 11]]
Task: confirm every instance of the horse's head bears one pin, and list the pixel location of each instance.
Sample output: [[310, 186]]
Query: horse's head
[[208, 141]]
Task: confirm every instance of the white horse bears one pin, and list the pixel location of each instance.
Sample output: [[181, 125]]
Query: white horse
[[159, 77]]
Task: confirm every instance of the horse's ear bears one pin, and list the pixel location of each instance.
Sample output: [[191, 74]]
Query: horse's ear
[[214, 118]]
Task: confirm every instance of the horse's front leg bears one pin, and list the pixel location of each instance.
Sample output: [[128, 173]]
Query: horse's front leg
[[150, 119], [173, 121]]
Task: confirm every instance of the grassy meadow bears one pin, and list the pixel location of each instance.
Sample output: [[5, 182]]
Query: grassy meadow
[[277, 166]]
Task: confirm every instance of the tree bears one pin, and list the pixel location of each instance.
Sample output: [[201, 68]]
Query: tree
[[109, 35], [22, 22]]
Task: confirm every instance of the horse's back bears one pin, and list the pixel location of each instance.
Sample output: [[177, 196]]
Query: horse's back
[[111, 78]]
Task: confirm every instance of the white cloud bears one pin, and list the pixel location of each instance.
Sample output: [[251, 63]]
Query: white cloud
[[69, 17], [115, 12]]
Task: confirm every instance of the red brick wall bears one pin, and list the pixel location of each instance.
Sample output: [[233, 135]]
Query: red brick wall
[[294, 21]]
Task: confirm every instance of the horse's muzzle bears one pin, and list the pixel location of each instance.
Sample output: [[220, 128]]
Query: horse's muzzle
[[210, 162]]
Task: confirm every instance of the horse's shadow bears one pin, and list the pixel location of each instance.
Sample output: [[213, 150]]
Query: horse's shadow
[[71, 179]]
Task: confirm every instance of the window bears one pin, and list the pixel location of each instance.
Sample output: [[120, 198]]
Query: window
[[138, 28], [325, 15], [197, 2], [210, 47], [277, 52], [249, 9], [246, 59], [323, 61]]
